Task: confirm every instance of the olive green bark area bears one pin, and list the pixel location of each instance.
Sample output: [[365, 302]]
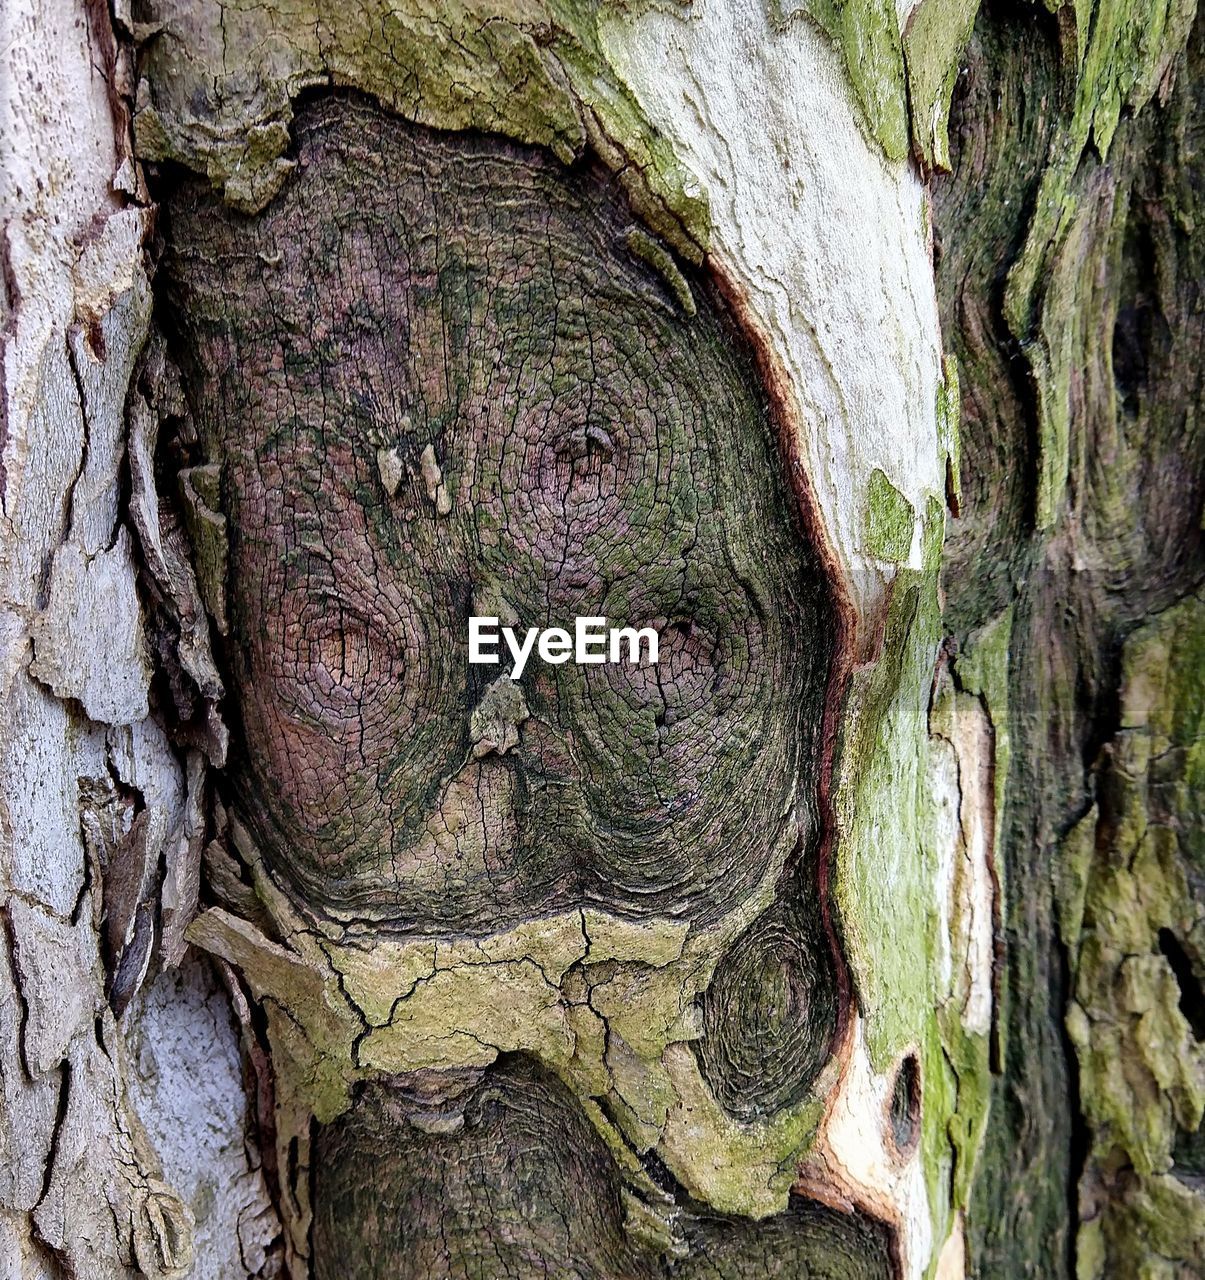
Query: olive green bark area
[[906, 909], [885, 882], [1133, 917], [220, 80], [902, 82], [935, 35], [1115, 56], [502, 1176], [890, 520], [1082, 465]]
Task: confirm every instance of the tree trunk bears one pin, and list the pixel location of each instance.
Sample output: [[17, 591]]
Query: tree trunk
[[851, 348]]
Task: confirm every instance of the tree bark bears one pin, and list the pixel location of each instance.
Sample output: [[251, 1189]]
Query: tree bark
[[851, 347], [122, 1113], [1070, 279]]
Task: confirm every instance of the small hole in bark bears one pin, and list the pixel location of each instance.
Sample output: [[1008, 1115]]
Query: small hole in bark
[[1192, 998], [905, 1106], [96, 339]]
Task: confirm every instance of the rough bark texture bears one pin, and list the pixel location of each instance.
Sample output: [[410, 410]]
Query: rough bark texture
[[863, 936], [1072, 573], [479, 1187], [472, 393], [466, 392], [120, 1153]]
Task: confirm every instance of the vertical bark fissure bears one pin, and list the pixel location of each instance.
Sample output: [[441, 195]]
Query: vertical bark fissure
[[1106, 327]]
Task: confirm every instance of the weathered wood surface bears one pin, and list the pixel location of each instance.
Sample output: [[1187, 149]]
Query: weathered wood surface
[[1070, 272], [871, 935]]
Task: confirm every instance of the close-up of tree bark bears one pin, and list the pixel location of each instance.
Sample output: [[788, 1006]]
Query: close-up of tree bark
[[845, 917]]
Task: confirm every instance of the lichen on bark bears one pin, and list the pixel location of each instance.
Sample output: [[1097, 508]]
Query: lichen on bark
[[1069, 267], [1134, 921], [220, 80], [601, 450], [389, 936]]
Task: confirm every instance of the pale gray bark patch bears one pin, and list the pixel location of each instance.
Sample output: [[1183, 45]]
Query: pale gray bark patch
[[55, 964], [98, 818], [107, 671], [187, 1086]]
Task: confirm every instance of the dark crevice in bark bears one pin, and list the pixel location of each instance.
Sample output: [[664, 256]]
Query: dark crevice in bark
[[1141, 332], [14, 961], [60, 1116], [1005, 106], [258, 1080], [1189, 1156], [906, 1105], [1192, 998]]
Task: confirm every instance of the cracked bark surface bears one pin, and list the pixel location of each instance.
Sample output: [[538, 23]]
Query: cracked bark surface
[[98, 812], [600, 453], [890, 897], [481, 389]]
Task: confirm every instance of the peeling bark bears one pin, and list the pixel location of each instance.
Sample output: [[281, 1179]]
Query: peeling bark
[[862, 935], [97, 809]]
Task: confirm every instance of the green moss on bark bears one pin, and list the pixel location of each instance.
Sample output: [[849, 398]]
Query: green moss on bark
[[934, 38], [1137, 956], [1117, 55], [890, 520], [1069, 225], [867, 34], [219, 84]]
